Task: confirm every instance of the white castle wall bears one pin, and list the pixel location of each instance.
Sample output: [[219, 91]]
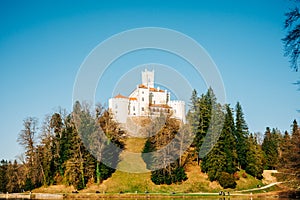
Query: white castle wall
[[178, 108], [143, 99], [159, 97], [134, 108], [119, 108]]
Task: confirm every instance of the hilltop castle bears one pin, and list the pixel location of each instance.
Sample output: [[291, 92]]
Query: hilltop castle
[[146, 100]]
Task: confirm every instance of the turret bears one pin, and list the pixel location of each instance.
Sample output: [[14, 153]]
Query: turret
[[148, 78]]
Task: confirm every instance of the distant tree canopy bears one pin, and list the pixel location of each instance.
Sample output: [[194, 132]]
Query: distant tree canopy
[[60, 155]]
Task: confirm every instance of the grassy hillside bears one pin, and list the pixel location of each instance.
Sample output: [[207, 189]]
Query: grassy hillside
[[141, 182], [128, 182]]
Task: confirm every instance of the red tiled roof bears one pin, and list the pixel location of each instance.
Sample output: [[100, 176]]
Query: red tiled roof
[[132, 98], [156, 90], [121, 96], [142, 86], [153, 89]]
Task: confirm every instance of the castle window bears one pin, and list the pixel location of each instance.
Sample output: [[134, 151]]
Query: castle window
[[142, 92], [133, 108], [143, 109], [142, 98], [116, 106]]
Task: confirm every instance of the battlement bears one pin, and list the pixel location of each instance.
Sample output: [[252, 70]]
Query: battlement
[[177, 102]]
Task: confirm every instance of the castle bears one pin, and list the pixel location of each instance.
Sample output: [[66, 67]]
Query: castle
[[146, 100]]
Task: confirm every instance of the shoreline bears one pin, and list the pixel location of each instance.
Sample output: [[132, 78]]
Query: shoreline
[[131, 195]]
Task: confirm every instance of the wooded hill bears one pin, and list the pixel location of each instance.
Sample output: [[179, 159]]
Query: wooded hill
[[84, 148]]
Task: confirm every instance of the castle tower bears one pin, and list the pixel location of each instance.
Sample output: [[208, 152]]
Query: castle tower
[[148, 78], [178, 109]]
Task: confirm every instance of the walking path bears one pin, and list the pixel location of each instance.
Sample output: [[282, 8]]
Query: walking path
[[260, 188]]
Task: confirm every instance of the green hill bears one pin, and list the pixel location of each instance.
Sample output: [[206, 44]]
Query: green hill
[[131, 160], [128, 182]]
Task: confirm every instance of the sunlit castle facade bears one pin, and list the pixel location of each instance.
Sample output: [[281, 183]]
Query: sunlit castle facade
[[146, 100]]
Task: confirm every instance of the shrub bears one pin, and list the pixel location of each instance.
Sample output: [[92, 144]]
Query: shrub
[[163, 176], [227, 180], [244, 175], [236, 176]]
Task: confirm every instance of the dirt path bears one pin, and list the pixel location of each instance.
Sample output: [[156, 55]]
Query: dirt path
[[268, 177], [261, 188]]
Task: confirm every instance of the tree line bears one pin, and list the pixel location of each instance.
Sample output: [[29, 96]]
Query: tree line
[[83, 147], [223, 145], [228, 144], [58, 155], [236, 148]]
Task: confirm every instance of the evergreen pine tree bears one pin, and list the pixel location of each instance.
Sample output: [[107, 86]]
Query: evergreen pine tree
[[241, 133], [199, 115], [294, 158], [3, 176], [74, 171], [270, 147], [215, 161], [285, 150], [230, 142], [222, 157], [254, 158]]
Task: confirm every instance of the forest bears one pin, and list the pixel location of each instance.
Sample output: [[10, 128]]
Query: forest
[[84, 146]]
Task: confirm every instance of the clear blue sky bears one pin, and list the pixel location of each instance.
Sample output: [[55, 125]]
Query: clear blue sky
[[43, 43]]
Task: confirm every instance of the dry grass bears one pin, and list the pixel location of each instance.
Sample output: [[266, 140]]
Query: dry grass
[[131, 160], [141, 182], [54, 189], [135, 145]]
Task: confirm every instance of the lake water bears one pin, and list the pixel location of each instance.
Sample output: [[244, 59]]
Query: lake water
[[174, 198]]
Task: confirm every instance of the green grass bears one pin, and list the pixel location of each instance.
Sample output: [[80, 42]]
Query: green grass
[[247, 183], [126, 182], [141, 182], [197, 181], [131, 160]]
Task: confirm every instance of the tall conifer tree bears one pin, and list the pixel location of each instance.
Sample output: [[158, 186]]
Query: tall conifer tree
[[270, 147], [254, 158], [241, 134]]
